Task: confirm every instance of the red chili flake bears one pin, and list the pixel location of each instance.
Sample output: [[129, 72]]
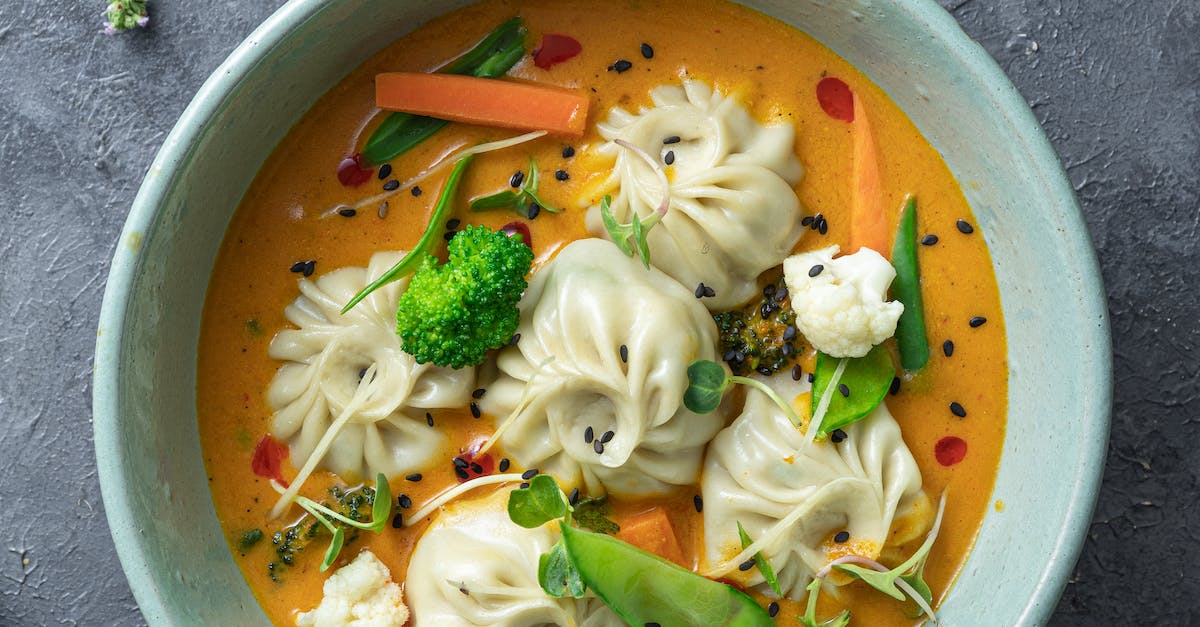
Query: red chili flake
[[519, 228], [354, 170], [268, 459], [836, 98], [950, 450], [555, 49]]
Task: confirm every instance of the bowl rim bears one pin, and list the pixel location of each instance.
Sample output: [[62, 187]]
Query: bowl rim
[[131, 544]]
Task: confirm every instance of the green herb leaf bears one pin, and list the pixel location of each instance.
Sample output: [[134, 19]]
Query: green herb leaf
[[381, 509], [557, 575], [621, 234], [538, 504], [592, 513], [500, 200], [764, 567], [428, 240], [706, 385], [335, 547], [883, 582], [616, 232], [867, 378]]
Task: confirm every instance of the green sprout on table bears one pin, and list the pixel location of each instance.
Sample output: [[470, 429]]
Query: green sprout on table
[[124, 15]]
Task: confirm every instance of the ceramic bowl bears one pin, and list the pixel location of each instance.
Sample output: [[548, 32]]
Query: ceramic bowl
[[147, 445]]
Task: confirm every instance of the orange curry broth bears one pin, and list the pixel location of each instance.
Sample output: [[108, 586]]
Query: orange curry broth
[[775, 70]]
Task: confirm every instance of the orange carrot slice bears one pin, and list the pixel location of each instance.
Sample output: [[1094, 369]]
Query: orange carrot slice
[[868, 221], [652, 531], [483, 101]]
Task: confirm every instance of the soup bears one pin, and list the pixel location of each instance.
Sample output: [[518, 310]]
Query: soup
[[589, 390]]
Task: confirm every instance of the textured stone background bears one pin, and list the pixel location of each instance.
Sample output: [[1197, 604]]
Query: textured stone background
[[1115, 83]]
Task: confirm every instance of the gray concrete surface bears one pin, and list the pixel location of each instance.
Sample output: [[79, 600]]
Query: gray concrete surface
[[1115, 83]]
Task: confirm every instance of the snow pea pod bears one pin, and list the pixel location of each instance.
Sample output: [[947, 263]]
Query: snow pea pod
[[644, 588], [906, 288], [490, 58]]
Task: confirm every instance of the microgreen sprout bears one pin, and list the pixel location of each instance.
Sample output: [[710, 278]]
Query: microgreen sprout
[[520, 200], [628, 236], [708, 380], [810, 613], [764, 567], [534, 506], [124, 15], [381, 508]]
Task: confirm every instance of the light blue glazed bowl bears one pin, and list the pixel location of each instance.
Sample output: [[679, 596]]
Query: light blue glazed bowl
[[147, 444]]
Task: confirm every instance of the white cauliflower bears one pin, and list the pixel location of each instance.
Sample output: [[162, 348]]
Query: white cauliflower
[[841, 304], [359, 594]]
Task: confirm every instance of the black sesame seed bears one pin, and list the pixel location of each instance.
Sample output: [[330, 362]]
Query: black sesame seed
[[669, 158], [811, 377], [461, 474], [709, 292], [589, 434], [504, 463], [298, 267], [929, 240], [773, 609], [977, 322], [815, 270], [449, 235], [948, 348], [764, 371], [383, 209], [838, 436], [416, 190], [768, 291], [647, 51], [478, 393], [730, 355], [607, 437], [823, 228], [533, 212], [475, 413], [429, 418], [529, 474], [385, 171], [964, 227], [515, 338], [524, 484], [347, 212], [453, 223], [397, 521], [310, 266], [391, 185], [789, 333], [767, 309], [414, 477], [516, 179], [787, 349], [460, 462], [841, 536], [624, 354], [674, 139], [561, 175], [958, 410], [796, 372], [699, 291], [698, 502], [620, 66], [573, 498], [806, 221], [404, 501], [746, 565], [739, 356], [568, 152], [781, 295], [476, 468], [844, 389], [598, 446], [894, 388]]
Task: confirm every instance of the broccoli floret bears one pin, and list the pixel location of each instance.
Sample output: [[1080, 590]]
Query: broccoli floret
[[760, 337], [453, 313]]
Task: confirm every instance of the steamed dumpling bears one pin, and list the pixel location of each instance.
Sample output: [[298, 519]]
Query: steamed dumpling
[[759, 472], [327, 356], [473, 546], [733, 211], [581, 313]]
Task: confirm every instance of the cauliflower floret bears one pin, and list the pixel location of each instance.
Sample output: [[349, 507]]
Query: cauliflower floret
[[359, 594], [842, 307]]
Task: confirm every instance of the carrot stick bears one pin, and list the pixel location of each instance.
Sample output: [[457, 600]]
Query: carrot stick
[[483, 101], [652, 531], [868, 221]]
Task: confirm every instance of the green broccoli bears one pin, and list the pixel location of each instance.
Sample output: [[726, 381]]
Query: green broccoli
[[453, 313], [761, 337]]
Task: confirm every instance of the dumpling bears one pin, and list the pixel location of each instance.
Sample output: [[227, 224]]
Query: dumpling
[[733, 211], [795, 497], [327, 357], [604, 349], [474, 566]]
